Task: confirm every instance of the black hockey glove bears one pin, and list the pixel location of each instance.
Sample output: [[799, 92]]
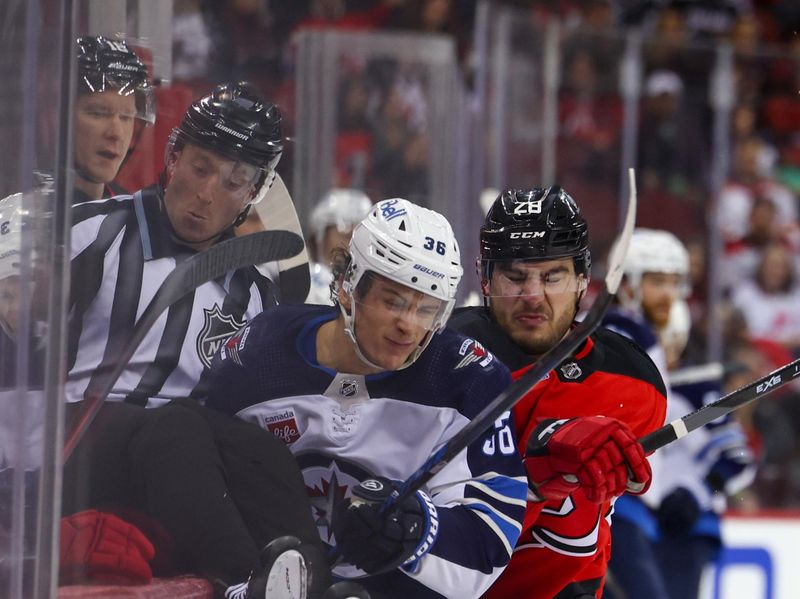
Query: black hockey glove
[[678, 513], [378, 542]]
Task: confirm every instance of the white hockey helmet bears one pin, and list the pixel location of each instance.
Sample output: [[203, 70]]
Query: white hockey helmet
[[410, 245], [341, 207], [656, 251]]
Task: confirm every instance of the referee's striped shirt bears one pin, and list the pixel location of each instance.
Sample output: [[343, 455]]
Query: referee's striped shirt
[[121, 252]]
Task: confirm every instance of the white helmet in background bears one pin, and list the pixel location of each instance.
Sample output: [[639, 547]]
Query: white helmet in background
[[410, 245], [340, 207], [656, 251]]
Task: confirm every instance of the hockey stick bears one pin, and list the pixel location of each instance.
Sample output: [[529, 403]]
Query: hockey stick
[[276, 210], [713, 371], [724, 405], [517, 390], [205, 266]]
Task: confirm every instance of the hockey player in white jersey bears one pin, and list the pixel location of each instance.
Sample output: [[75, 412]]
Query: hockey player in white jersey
[[662, 540], [332, 222], [364, 392]]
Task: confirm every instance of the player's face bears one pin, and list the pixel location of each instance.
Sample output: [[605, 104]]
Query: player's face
[[103, 131], [534, 302], [659, 291], [391, 320], [205, 194]]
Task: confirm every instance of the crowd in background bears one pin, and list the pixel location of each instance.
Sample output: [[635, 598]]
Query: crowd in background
[[382, 143]]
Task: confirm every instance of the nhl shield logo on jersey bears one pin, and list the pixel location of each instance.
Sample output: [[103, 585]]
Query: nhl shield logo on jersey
[[348, 388], [217, 328], [571, 371]]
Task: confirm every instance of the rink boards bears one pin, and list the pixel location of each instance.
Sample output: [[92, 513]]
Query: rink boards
[[760, 561]]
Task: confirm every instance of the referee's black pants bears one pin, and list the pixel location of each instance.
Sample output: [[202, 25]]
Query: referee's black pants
[[221, 487]]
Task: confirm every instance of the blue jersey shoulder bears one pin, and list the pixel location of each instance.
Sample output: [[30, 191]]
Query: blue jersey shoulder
[[631, 325]]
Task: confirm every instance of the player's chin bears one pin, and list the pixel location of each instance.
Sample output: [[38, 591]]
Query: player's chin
[[535, 343], [391, 358]]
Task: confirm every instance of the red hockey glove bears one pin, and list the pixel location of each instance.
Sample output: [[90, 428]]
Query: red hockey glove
[[99, 546], [599, 455]]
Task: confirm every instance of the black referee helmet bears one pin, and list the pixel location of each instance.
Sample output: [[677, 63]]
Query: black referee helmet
[[234, 122], [105, 64]]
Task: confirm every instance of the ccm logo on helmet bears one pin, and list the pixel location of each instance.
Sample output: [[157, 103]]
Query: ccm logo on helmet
[[526, 234], [429, 271]]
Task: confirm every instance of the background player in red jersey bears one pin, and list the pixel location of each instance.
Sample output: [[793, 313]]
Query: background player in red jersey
[[534, 270]]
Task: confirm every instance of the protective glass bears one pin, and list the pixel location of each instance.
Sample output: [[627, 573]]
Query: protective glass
[[522, 278], [416, 309]]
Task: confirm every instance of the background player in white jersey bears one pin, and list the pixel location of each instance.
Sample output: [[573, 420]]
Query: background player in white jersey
[[332, 222], [366, 391], [663, 540]]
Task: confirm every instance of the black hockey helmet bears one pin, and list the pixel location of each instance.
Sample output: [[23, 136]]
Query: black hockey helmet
[[535, 224], [234, 122], [105, 64]]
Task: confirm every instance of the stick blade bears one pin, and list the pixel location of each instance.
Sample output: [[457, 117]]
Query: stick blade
[[616, 260]]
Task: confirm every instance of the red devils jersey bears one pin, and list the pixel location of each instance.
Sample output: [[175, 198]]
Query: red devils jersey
[[565, 546]]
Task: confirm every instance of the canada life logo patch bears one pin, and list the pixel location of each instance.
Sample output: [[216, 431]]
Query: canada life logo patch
[[283, 425]]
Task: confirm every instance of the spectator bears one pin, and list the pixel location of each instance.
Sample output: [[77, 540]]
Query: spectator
[[672, 153], [770, 302], [750, 179], [590, 122]]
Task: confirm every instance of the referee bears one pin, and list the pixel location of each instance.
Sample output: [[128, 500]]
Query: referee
[[220, 488]]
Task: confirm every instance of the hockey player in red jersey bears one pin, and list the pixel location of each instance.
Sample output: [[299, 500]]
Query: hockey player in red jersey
[[534, 270]]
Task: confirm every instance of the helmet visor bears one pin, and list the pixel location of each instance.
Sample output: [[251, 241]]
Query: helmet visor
[[414, 308], [522, 278], [231, 178], [144, 98]]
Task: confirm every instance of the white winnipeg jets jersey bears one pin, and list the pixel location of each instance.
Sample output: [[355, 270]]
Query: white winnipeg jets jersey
[[345, 428]]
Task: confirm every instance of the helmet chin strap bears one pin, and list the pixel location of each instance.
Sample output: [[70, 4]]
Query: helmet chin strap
[[350, 331]]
